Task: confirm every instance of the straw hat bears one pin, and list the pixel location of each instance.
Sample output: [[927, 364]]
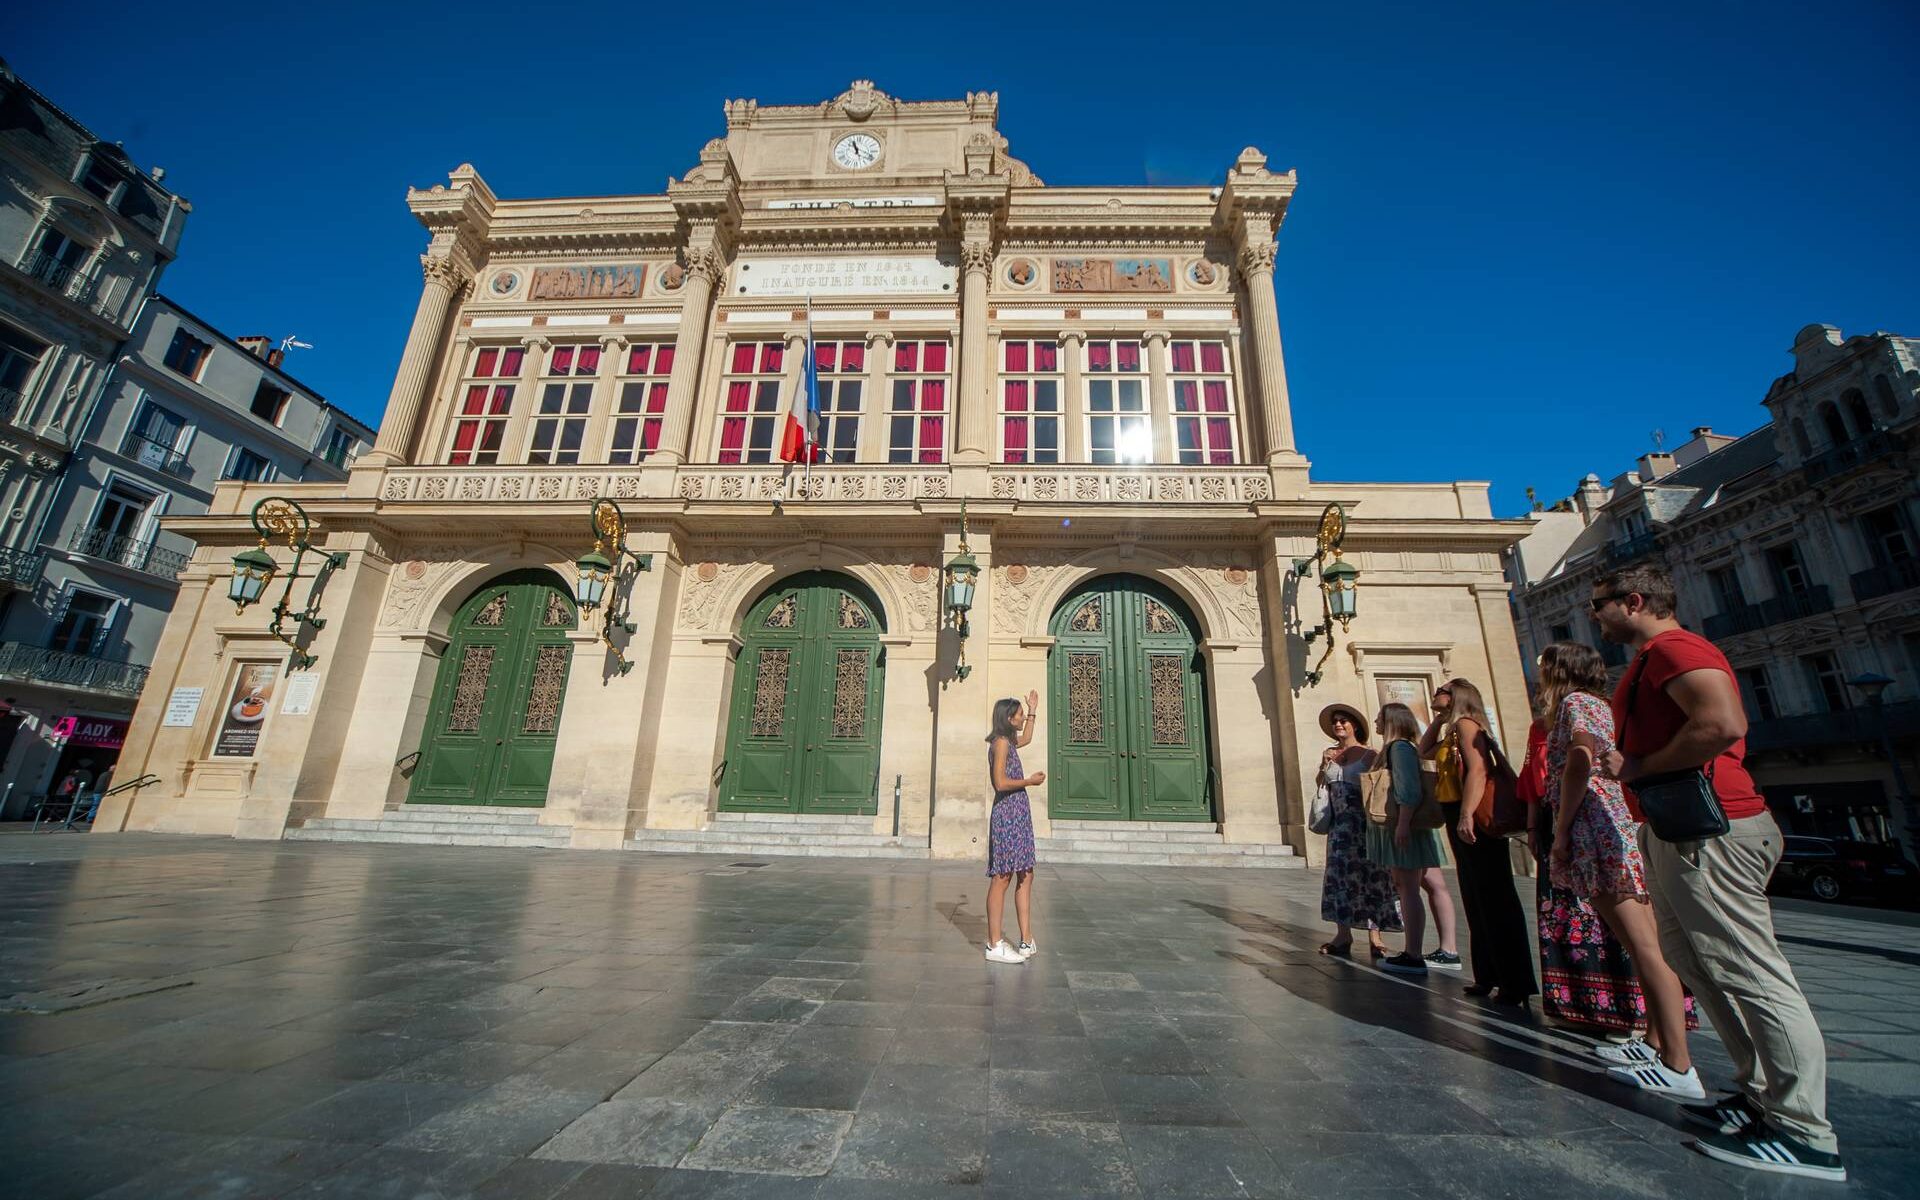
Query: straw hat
[[1352, 714]]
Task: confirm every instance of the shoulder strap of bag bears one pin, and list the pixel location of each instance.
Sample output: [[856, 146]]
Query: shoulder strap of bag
[[1639, 669]]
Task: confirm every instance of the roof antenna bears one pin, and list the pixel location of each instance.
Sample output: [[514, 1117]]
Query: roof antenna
[[1659, 440]]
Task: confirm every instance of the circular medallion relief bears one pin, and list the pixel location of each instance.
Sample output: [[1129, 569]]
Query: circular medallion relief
[[416, 570], [920, 572], [1020, 272], [1236, 575], [672, 278], [707, 572], [505, 283], [1202, 273], [1016, 574]]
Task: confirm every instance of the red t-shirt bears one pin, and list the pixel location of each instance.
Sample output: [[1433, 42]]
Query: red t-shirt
[[1656, 718]]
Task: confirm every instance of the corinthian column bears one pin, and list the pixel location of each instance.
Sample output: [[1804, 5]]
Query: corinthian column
[[973, 439], [705, 264], [1256, 271], [447, 277]]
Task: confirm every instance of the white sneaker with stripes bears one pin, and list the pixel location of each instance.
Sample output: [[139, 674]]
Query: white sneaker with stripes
[[1764, 1148], [1658, 1078], [1629, 1053]]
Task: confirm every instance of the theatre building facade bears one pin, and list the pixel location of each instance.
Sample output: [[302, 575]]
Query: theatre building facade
[[1082, 387]]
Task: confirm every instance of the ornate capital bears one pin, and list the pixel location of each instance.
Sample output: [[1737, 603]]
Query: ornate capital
[[976, 257], [1257, 258], [536, 345], [1073, 335], [1155, 335], [446, 271], [706, 263], [879, 338], [613, 343]]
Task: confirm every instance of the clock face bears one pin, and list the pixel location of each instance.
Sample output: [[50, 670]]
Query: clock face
[[857, 150]]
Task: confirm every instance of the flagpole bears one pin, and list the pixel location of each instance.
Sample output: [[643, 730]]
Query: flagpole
[[806, 376]]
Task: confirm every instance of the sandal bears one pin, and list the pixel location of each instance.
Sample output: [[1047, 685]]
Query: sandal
[[1376, 951], [1337, 949]]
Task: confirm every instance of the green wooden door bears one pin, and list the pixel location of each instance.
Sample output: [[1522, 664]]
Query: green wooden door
[[496, 701], [1127, 733], [803, 729]]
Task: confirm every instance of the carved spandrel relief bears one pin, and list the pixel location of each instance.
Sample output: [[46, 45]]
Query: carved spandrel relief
[[1016, 585], [420, 575], [587, 283], [1112, 274]]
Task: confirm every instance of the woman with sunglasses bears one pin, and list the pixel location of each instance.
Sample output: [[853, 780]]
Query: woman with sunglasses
[[1354, 891], [1461, 749]]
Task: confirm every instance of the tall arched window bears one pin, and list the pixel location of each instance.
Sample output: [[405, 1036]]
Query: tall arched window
[[1835, 427], [1883, 392], [1856, 403]]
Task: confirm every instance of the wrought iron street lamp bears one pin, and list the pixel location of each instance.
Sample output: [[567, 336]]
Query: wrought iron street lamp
[[962, 574], [254, 571], [597, 572], [1873, 686], [1339, 583]]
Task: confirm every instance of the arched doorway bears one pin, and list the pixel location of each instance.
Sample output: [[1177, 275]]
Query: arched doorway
[[803, 730], [1127, 727], [496, 701]]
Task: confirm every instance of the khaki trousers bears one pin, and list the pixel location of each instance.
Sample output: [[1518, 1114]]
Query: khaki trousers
[[1716, 930]]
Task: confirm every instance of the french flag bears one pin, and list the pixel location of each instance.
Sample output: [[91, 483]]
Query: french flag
[[800, 435]]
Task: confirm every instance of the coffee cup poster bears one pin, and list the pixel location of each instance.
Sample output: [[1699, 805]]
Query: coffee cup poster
[[246, 710]]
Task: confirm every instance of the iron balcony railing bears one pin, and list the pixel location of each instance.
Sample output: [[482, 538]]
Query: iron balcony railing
[[1776, 610], [20, 568], [1886, 579], [61, 668], [158, 455], [128, 552], [50, 270], [1628, 549], [1868, 447], [1862, 724]]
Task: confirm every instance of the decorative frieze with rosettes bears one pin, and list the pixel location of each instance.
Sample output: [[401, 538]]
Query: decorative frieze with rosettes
[[1109, 485]]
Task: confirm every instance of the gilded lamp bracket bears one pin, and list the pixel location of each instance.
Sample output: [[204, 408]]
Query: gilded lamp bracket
[[1339, 582], [597, 570], [276, 517]]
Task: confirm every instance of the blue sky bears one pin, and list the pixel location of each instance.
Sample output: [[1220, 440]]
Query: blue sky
[[1526, 235]]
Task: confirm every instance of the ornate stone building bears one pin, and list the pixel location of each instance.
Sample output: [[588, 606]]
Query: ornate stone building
[[1794, 548], [1096, 373]]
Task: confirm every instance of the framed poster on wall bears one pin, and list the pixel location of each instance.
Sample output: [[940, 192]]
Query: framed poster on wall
[[1414, 691], [246, 710]]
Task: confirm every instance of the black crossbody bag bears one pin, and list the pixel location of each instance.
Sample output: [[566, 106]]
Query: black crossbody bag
[[1680, 806]]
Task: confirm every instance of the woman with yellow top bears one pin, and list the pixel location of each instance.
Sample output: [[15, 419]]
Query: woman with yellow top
[[1459, 745]]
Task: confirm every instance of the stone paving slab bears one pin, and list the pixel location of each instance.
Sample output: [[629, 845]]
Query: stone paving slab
[[425, 1021]]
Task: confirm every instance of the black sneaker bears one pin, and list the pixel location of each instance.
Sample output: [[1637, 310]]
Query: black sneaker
[[1444, 960], [1729, 1114], [1764, 1148], [1404, 964]]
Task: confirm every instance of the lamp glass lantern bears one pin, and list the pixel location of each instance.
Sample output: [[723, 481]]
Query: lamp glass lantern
[[596, 569], [253, 570], [962, 574], [1340, 579]]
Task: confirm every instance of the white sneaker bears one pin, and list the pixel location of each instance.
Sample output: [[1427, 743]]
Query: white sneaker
[[1657, 1078], [1629, 1053], [1026, 949], [1000, 952]]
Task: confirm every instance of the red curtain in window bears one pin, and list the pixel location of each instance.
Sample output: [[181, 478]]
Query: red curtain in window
[[562, 361], [650, 435], [933, 395], [464, 434], [1220, 436], [1182, 356], [932, 438], [1015, 436], [934, 357], [638, 357], [1099, 357], [853, 356], [511, 360], [476, 401], [589, 361], [484, 364], [502, 399], [1213, 357], [1216, 395], [1016, 356], [906, 356], [823, 356], [742, 358], [1186, 397], [739, 392], [1046, 356], [1129, 355], [1016, 395], [772, 354], [663, 359], [657, 398], [733, 435]]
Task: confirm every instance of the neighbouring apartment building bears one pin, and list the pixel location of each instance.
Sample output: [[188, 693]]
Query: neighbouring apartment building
[[1083, 386], [1795, 549]]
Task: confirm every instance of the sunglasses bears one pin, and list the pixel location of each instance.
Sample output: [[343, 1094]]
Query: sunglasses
[[1600, 602], [1447, 692]]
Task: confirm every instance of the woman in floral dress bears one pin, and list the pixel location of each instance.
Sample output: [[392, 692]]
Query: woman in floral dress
[[1355, 891], [1010, 827], [1599, 946]]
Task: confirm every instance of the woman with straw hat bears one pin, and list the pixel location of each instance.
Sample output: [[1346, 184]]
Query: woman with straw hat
[[1355, 891]]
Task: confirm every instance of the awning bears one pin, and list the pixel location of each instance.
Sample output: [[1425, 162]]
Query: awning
[[108, 733]]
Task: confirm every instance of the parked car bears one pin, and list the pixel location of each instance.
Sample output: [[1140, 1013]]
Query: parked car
[[1832, 869]]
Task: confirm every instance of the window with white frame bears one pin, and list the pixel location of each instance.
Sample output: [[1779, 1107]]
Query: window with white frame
[[19, 355], [566, 399], [642, 406], [486, 399], [1117, 423], [339, 446], [840, 368], [750, 409], [83, 623], [1202, 401], [917, 410], [1030, 386], [245, 465]]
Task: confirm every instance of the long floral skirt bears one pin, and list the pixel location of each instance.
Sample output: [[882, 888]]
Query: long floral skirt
[[1356, 891], [1586, 974]]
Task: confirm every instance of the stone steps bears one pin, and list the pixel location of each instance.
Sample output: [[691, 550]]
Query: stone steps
[[1122, 858], [1156, 844], [439, 825], [782, 834]]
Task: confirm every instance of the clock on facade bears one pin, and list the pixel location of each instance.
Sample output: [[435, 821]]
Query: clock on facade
[[857, 150]]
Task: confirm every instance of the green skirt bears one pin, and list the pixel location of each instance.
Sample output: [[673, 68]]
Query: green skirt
[[1425, 848]]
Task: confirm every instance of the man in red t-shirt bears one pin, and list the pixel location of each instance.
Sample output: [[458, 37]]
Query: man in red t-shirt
[[1678, 708]]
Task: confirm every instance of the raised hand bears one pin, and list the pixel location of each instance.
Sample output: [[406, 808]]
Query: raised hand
[[1033, 703], [1034, 780]]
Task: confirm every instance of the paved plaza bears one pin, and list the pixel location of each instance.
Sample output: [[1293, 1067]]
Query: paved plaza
[[248, 1019]]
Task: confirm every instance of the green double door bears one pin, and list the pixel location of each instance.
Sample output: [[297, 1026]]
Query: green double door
[[803, 728], [1126, 733], [496, 701]]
